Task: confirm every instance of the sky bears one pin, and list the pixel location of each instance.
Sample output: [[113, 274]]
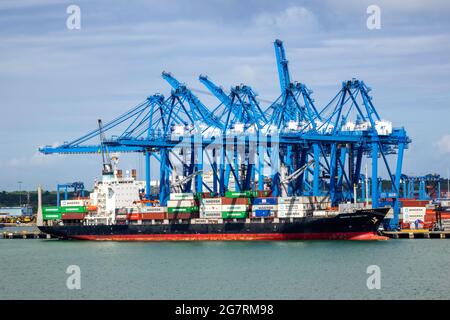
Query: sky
[[56, 82]]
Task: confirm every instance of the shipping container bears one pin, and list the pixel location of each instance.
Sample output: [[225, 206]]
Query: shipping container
[[181, 196], [51, 215], [181, 203], [212, 201], [50, 209], [73, 203], [211, 214], [293, 206], [184, 216], [154, 216], [234, 215], [272, 200], [210, 208], [411, 214], [320, 213], [290, 214], [235, 201], [183, 209], [153, 209], [272, 207], [241, 194], [262, 213], [78, 209], [264, 193], [237, 207], [413, 203], [73, 216], [134, 217]]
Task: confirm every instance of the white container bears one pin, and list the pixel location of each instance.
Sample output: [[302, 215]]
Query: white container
[[320, 213], [215, 201], [153, 209], [296, 200], [290, 214], [181, 196], [234, 207], [411, 214], [180, 203], [211, 207], [272, 207], [73, 203], [293, 206]]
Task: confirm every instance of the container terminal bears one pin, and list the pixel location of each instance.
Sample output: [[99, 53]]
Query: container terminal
[[239, 171]]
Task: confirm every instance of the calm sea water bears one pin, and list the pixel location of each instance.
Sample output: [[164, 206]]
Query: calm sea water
[[225, 270]]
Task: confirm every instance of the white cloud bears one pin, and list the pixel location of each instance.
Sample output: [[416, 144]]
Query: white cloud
[[443, 144], [296, 19], [37, 159]]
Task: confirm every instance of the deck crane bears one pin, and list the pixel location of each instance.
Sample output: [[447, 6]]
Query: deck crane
[[295, 175], [177, 186], [106, 159]]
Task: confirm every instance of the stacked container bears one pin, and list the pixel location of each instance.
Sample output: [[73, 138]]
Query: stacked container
[[51, 213], [211, 208], [236, 204], [264, 207], [182, 206], [154, 213], [297, 207]]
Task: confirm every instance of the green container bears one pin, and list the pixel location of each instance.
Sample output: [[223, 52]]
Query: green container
[[50, 210], [241, 194], [234, 214], [182, 209], [51, 216], [73, 209]]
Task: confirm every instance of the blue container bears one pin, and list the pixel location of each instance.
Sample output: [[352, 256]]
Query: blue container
[[265, 201], [262, 213]]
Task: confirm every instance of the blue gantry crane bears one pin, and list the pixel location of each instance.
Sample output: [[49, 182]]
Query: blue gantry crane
[[291, 146]]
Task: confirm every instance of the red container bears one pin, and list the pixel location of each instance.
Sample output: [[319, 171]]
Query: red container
[[414, 203], [73, 216], [238, 201], [264, 193], [175, 216], [154, 216], [135, 216]]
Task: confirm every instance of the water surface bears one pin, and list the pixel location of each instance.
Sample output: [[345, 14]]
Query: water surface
[[36, 269]]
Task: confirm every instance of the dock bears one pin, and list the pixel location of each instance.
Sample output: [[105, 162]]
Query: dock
[[417, 234], [25, 235]]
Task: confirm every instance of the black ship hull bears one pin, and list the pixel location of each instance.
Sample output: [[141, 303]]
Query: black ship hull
[[360, 225]]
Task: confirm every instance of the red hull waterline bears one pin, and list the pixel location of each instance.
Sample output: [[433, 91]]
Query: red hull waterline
[[235, 236]]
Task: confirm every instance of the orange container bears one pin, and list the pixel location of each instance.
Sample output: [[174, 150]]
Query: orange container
[[91, 208], [135, 216], [154, 216], [73, 216], [238, 201]]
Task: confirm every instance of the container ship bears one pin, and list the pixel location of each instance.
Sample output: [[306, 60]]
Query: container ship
[[117, 210]]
